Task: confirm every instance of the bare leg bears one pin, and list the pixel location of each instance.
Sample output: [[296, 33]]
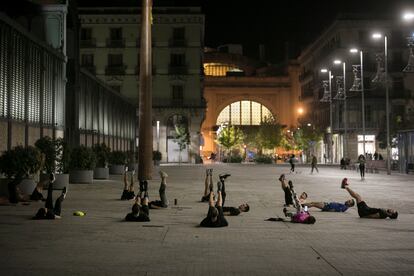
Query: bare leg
[[318, 205], [206, 183], [125, 181], [219, 199], [357, 197]]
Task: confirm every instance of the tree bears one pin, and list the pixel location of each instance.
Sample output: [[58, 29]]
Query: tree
[[182, 137], [230, 137], [306, 137], [269, 134]]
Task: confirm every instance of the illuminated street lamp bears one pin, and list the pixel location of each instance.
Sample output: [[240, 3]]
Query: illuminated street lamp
[[408, 16], [300, 110], [387, 108], [361, 88]]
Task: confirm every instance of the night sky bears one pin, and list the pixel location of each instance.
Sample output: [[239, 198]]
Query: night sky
[[274, 23]]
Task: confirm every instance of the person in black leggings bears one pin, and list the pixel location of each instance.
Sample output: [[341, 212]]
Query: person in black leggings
[[50, 211]]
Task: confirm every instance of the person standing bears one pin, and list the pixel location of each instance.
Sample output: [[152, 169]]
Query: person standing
[[361, 161], [292, 163], [314, 162]]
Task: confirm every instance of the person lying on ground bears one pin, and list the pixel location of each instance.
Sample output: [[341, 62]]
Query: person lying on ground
[[50, 211], [286, 190], [235, 211], [163, 202], [128, 192], [215, 216], [140, 210], [364, 211], [301, 215], [331, 206]]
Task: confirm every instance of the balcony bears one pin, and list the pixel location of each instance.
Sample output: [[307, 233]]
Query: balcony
[[177, 70], [115, 70], [115, 43], [88, 43], [90, 68], [174, 42]]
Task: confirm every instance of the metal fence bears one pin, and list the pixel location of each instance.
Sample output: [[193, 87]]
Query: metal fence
[[32, 86]]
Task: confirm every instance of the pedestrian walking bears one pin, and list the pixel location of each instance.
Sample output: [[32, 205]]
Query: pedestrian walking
[[292, 163], [361, 161], [314, 162]]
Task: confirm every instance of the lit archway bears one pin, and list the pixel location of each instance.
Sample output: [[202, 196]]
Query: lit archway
[[245, 113]]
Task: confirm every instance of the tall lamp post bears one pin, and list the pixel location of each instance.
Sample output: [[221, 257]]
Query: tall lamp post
[[328, 98], [337, 62], [361, 57], [387, 107]]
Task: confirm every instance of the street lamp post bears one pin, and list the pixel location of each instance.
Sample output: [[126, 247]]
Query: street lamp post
[[387, 108], [329, 99], [345, 107], [361, 57]]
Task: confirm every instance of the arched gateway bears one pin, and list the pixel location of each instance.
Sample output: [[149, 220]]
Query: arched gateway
[[242, 92]]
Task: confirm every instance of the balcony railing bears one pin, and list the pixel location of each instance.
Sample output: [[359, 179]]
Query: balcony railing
[[177, 69], [115, 43], [88, 43], [115, 70], [174, 42]]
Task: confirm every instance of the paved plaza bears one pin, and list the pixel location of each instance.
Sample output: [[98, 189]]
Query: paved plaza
[[173, 244]]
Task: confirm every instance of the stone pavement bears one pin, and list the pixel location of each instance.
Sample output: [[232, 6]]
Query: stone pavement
[[173, 244]]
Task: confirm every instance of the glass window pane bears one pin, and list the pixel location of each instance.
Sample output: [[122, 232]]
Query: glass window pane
[[245, 112], [266, 113], [235, 113], [256, 113], [224, 116]]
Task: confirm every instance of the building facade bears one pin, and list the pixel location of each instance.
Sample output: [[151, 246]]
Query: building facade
[[110, 47], [355, 31], [242, 92]]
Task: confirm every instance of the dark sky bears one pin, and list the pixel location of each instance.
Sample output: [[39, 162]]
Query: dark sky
[[271, 22]]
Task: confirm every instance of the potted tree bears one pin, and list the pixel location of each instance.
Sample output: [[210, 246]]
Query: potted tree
[[81, 165], [62, 164], [47, 147], [20, 163], [117, 160], [156, 157], [102, 152]]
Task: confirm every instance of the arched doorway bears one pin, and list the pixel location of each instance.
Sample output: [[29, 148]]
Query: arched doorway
[[244, 113], [173, 148]]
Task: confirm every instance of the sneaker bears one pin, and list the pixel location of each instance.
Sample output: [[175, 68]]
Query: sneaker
[[282, 177], [126, 168], [344, 183], [224, 176]]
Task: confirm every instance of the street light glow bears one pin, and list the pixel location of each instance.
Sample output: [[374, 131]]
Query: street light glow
[[337, 61], [353, 50], [376, 36], [309, 124], [300, 110], [408, 16], [324, 70]]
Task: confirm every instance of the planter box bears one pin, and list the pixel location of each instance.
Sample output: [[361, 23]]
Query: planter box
[[62, 180], [117, 169], [81, 176], [27, 186], [101, 173]]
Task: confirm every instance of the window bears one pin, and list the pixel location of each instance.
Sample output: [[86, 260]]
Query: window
[[244, 113], [115, 60], [369, 144], [177, 60], [87, 60], [86, 34], [177, 93], [116, 33], [179, 33]]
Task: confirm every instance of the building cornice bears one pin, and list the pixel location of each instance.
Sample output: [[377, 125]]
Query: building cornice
[[136, 19]]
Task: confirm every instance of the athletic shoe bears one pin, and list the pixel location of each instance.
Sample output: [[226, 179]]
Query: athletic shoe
[[126, 168], [344, 183], [282, 177], [224, 175]]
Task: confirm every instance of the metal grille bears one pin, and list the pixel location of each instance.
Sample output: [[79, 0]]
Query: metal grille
[[34, 85], [17, 81], [3, 71]]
